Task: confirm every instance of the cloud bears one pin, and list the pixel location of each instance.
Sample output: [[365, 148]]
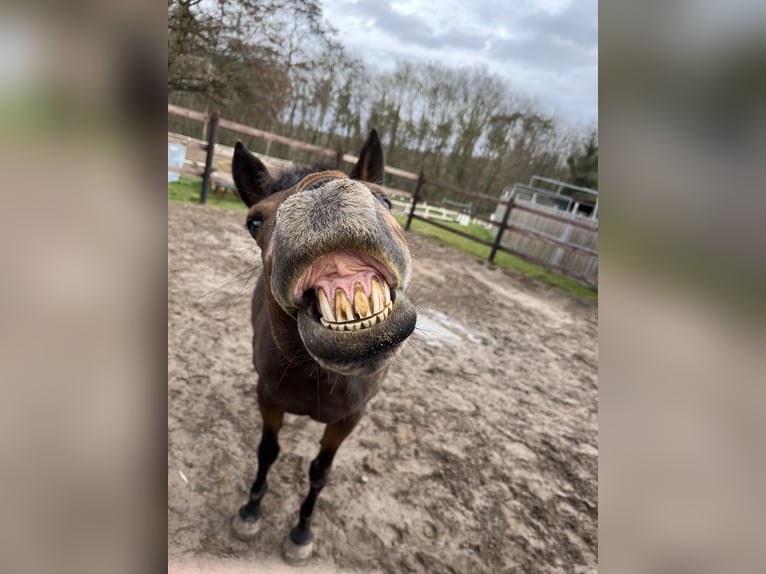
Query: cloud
[[576, 25], [415, 28], [542, 54], [545, 49]]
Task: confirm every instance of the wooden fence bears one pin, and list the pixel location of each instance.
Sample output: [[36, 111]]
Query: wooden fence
[[214, 122], [580, 259], [556, 240]]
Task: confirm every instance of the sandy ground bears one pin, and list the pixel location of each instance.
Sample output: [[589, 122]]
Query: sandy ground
[[478, 455]]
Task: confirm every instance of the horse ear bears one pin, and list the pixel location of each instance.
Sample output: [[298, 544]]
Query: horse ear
[[251, 177], [370, 164]]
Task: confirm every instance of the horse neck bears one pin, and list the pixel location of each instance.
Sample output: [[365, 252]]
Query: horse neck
[[283, 327]]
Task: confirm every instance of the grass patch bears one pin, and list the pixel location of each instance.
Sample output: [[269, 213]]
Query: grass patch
[[504, 260], [188, 188]]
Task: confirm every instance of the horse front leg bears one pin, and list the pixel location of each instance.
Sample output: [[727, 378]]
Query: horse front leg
[[245, 522], [299, 545]]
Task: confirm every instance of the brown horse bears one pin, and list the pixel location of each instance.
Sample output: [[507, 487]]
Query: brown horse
[[329, 310]]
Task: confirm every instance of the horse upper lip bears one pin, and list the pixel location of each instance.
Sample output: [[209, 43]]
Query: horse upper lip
[[345, 270]]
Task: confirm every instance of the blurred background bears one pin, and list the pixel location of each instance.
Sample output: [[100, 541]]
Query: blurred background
[[681, 120], [81, 289], [683, 129]]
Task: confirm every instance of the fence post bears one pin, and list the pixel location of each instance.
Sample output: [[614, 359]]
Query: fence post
[[339, 159], [213, 126], [502, 227], [415, 197]]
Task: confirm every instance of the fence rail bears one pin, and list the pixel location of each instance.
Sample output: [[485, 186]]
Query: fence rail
[[568, 220], [339, 155], [526, 229], [541, 247]]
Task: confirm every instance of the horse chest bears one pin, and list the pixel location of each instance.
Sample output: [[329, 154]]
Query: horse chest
[[307, 390]]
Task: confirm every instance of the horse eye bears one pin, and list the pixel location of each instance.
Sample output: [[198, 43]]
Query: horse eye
[[254, 224], [385, 201]]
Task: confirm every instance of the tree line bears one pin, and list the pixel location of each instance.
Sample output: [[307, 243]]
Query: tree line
[[277, 65]]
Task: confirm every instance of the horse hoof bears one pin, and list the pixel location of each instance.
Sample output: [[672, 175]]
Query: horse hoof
[[296, 554], [245, 530]]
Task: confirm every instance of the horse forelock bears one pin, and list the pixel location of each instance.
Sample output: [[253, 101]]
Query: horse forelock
[[290, 177]]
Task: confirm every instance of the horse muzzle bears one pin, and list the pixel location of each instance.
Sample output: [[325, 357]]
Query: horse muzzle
[[362, 346]]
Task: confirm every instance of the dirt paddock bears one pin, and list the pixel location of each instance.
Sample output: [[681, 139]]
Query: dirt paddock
[[478, 455]]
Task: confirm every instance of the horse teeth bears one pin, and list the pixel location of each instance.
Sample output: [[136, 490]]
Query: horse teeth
[[386, 294], [376, 295], [333, 326], [361, 304], [343, 309], [362, 314], [324, 305]]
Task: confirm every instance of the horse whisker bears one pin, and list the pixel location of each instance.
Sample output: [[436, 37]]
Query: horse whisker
[[229, 281]]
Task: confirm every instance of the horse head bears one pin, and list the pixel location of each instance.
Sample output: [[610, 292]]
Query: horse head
[[334, 258]]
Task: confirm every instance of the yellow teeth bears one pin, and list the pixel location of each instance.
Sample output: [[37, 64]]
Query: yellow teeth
[[324, 305], [361, 323], [361, 313], [343, 309], [361, 304], [376, 296]]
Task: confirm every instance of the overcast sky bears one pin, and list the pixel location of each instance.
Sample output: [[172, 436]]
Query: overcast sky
[[545, 49]]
